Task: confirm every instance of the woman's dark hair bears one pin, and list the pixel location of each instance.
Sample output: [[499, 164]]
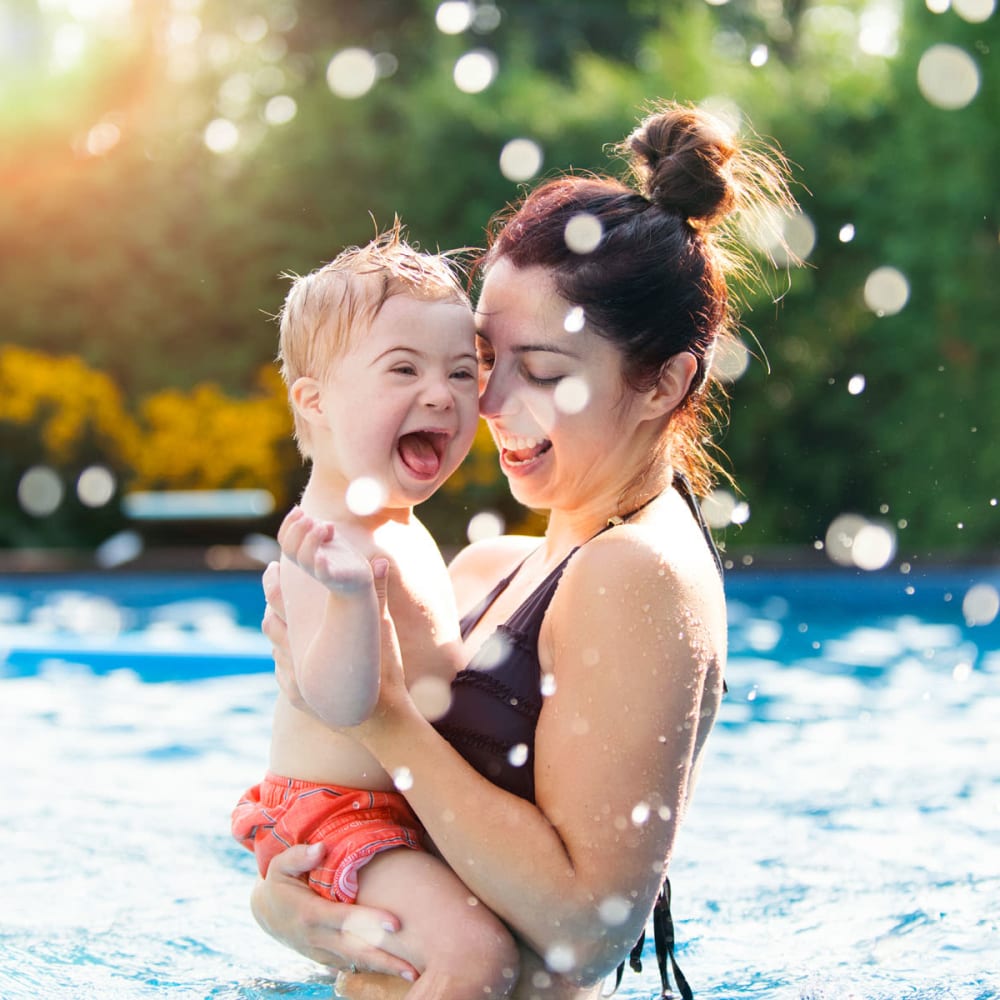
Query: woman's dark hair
[[657, 282]]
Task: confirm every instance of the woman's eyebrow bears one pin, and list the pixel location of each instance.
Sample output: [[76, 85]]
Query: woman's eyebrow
[[544, 347]]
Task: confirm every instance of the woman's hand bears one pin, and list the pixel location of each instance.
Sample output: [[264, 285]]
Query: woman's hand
[[344, 936], [275, 627]]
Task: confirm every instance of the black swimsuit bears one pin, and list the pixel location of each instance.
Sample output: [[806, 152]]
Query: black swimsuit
[[496, 701], [497, 698]]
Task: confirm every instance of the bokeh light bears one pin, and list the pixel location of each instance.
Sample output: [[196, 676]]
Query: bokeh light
[[981, 604], [351, 73], [856, 384], [517, 756], [560, 958], [575, 320], [431, 696], [280, 110], [948, 77], [95, 486], [571, 395], [365, 496], [614, 911], [402, 778], [853, 540], [730, 359], [886, 291], [40, 491], [485, 524], [718, 507], [221, 135], [583, 233], [454, 16], [974, 11], [102, 138], [475, 71], [846, 233], [520, 159]]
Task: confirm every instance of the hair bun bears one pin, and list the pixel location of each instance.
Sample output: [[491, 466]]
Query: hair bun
[[681, 157]]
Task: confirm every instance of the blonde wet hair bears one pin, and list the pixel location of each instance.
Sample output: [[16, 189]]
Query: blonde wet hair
[[326, 310]]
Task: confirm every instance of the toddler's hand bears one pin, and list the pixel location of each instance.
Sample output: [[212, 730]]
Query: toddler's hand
[[318, 549]]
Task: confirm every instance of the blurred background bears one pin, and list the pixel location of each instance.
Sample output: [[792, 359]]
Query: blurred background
[[164, 162]]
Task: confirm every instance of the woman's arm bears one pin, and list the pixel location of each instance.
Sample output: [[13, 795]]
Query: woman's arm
[[576, 874]]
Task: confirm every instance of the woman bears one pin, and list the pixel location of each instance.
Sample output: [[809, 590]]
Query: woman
[[555, 783]]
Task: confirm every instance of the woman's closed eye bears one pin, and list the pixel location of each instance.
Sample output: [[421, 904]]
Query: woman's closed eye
[[542, 379]]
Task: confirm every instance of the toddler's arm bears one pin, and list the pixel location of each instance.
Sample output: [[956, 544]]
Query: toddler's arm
[[334, 632]]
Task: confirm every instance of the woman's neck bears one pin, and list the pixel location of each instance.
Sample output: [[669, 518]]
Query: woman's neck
[[570, 527]]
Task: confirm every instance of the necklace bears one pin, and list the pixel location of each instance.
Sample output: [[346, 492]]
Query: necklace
[[617, 519]]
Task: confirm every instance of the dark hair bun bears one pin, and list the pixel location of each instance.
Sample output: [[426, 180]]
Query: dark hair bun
[[681, 159]]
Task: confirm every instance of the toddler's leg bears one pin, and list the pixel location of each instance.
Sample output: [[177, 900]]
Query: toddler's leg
[[463, 951]]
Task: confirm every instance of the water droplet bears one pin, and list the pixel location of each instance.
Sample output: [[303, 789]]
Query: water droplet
[[571, 395], [886, 291], [583, 233], [730, 359], [431, 696], [614, 911], [485, 524], [575, 320], [402, 779], [981, 604], [365, 496], [640, 813]]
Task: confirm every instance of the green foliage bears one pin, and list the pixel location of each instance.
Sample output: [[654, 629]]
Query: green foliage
[[159, 261]]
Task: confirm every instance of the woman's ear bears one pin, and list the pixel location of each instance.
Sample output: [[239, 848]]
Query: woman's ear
[[674, 383], [306, 398]]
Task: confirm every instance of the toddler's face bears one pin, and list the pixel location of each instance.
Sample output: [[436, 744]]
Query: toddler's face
[[401, 404]]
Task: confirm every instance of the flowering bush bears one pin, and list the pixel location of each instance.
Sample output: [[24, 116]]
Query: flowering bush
[[59, 412]]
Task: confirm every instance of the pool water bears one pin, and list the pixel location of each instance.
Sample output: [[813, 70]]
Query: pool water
[[844, 840]]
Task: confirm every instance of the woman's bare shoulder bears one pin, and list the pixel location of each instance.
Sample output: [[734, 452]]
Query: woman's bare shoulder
[[636, 564]]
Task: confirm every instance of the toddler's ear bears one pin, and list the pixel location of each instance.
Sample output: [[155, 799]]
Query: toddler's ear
[[306, 399]]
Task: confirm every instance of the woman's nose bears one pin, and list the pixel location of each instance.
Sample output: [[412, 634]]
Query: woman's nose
[[491, 395]]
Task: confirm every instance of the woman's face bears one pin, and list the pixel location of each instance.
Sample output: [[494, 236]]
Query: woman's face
[[553, 394]]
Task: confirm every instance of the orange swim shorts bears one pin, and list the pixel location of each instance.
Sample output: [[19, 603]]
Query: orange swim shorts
[[355, 825]]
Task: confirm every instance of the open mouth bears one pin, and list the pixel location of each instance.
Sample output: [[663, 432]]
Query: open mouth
[[422, 452], [525, 452]]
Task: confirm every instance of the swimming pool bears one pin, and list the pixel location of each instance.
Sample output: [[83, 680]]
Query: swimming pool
[[844, 840]]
